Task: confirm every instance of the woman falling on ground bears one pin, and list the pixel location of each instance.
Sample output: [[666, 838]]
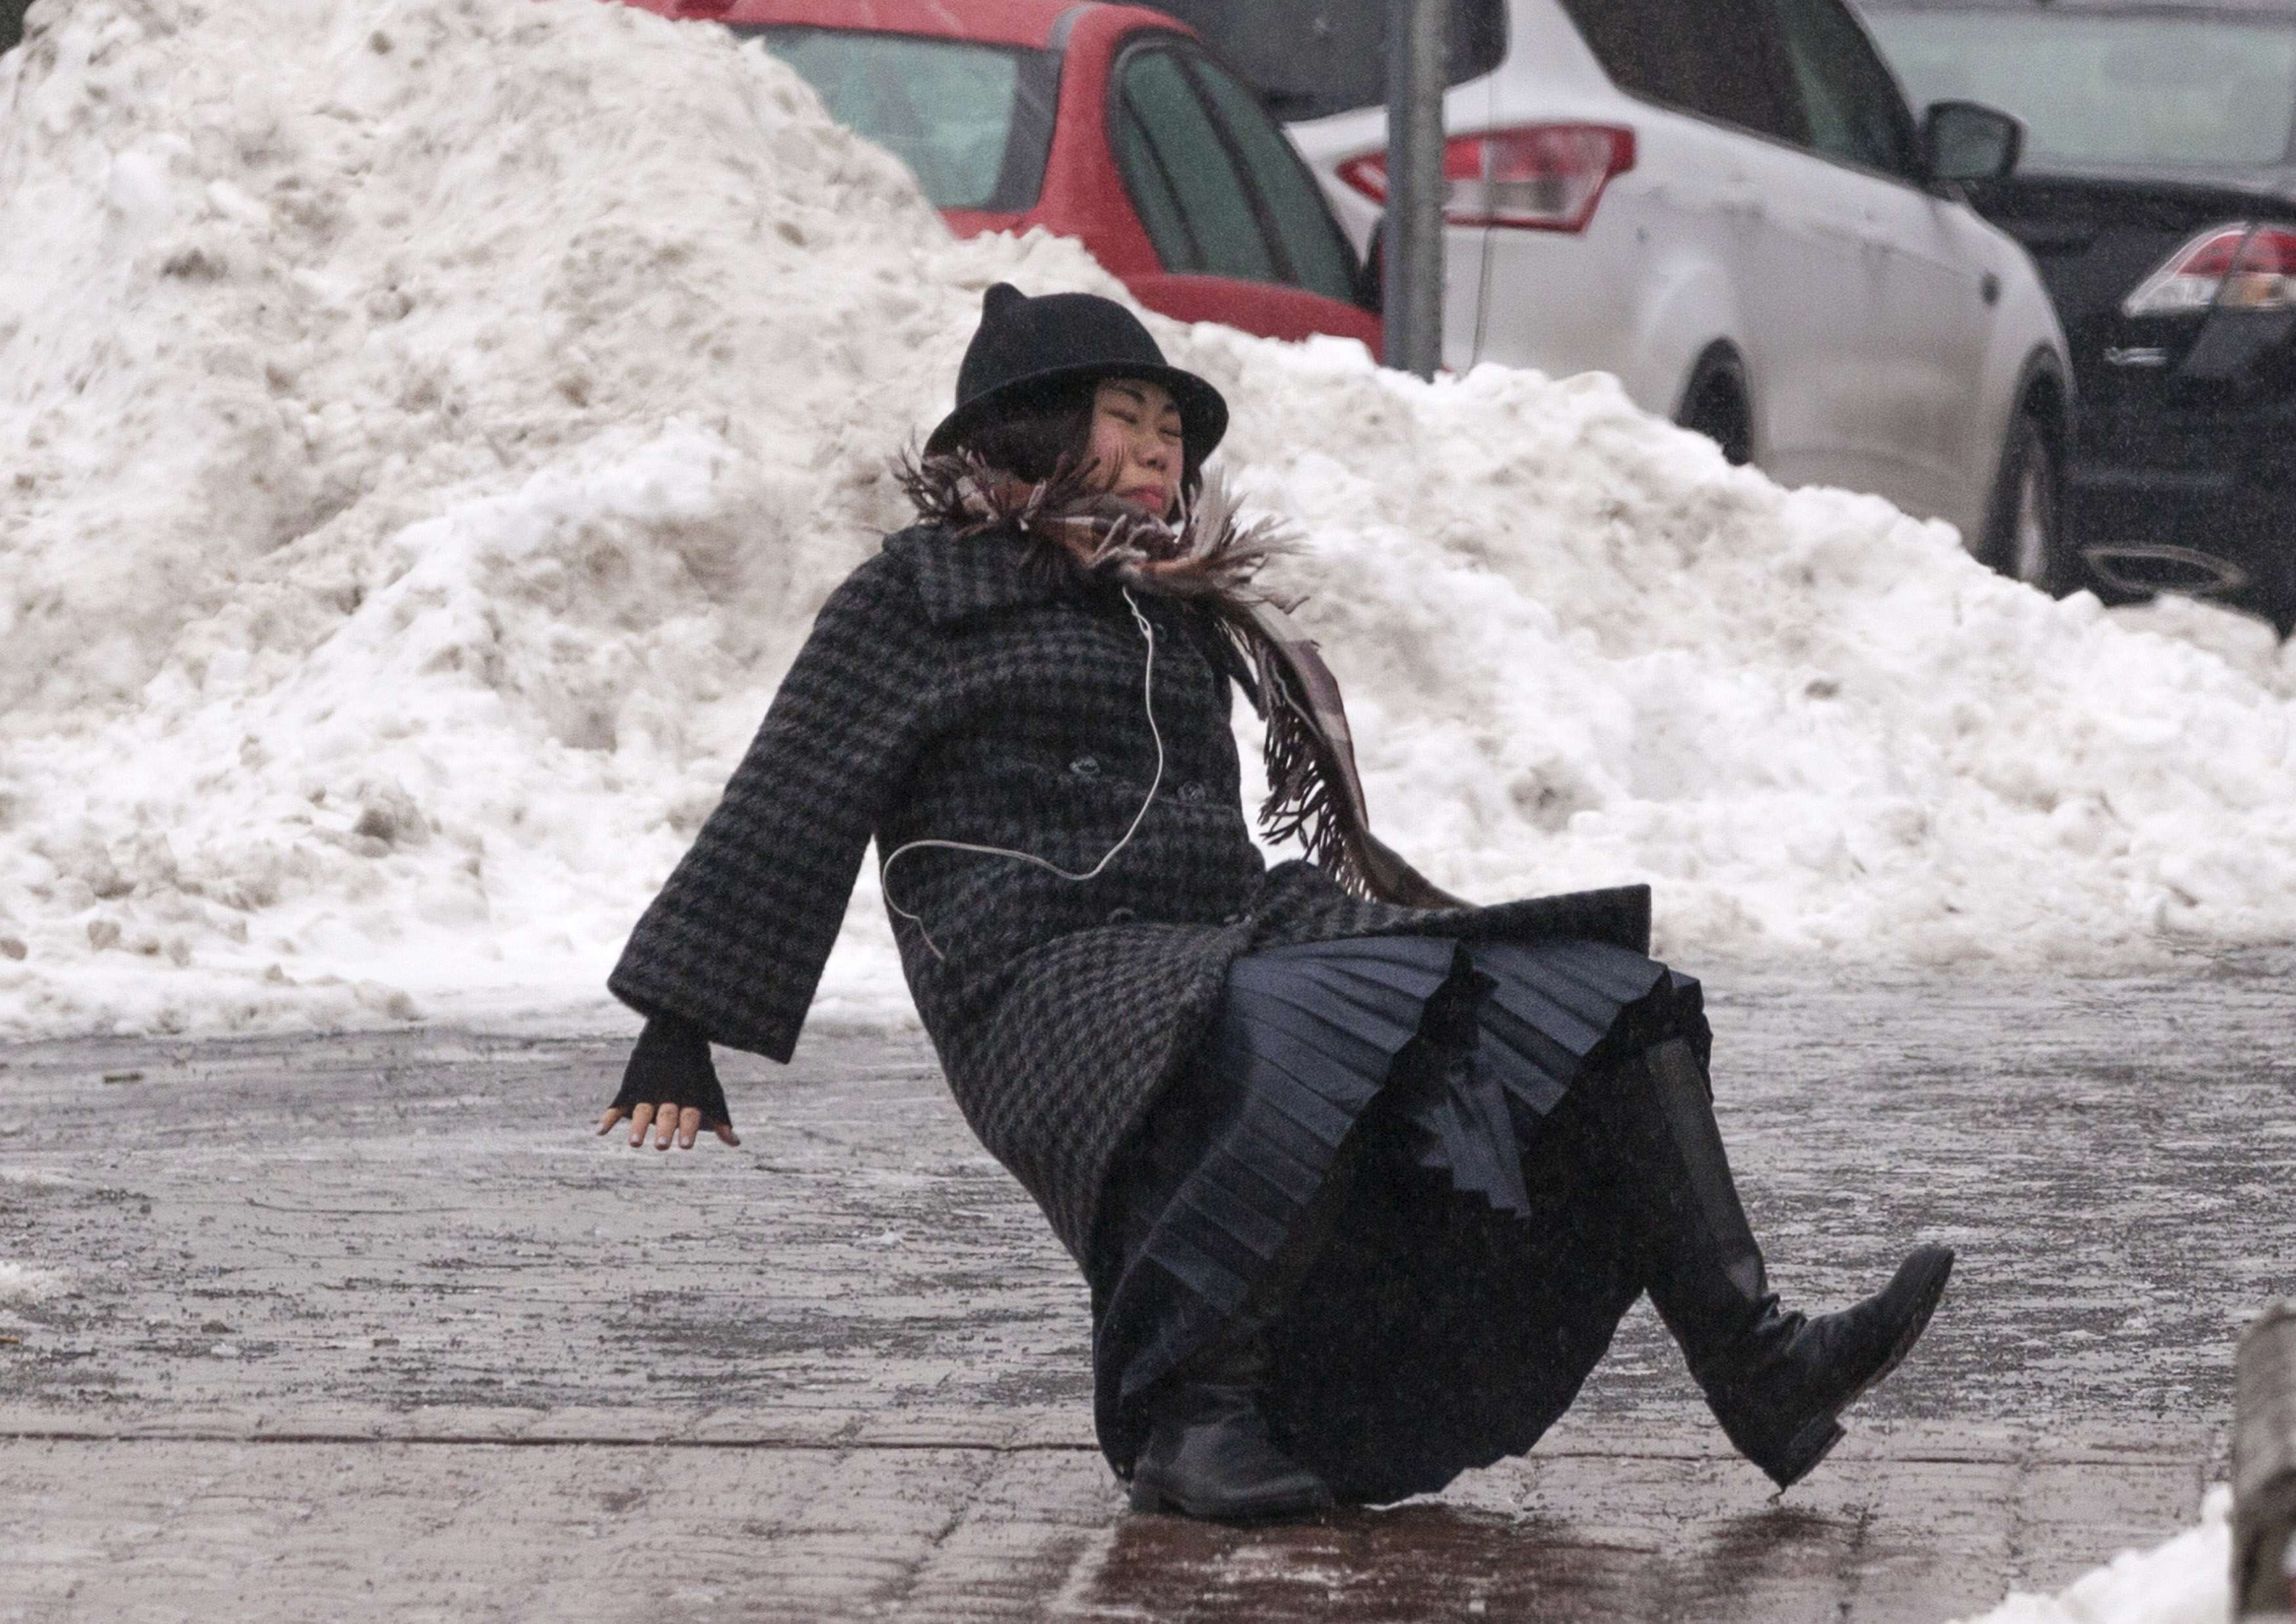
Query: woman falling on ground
[[1362, 1177]]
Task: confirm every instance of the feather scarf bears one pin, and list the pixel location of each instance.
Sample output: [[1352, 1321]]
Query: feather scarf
[[1212, 557]]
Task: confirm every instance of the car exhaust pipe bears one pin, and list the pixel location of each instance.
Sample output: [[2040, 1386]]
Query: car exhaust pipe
[[2157, 567]]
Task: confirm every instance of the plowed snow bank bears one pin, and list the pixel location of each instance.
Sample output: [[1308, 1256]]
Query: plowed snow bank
[[431, 448]]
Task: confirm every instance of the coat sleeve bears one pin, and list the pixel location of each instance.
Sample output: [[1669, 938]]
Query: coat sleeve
[[737, 939]]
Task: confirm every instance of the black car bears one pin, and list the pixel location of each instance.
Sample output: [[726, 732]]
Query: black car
[[2157, 193]]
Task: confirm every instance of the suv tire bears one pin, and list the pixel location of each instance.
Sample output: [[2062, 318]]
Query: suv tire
[[1715, 406], [2023, 536]]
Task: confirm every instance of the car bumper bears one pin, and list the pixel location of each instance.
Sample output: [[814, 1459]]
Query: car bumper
[[2138, 531], [2188, 486]]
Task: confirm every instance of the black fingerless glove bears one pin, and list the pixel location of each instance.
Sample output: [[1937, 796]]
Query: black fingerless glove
[[671, 1066]]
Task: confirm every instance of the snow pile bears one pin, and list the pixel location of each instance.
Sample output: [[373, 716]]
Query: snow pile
[[2186, 1580], [22, 1283], [432, 447], [435, 444]]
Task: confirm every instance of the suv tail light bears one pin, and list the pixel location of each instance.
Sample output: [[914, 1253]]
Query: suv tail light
[[1539, 177], [2237, 266]]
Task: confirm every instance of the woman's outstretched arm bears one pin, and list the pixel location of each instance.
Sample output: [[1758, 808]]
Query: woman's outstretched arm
[[735, 943]]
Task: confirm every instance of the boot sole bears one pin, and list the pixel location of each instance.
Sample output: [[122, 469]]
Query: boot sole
[[1150, 1497], [1815, 1440]]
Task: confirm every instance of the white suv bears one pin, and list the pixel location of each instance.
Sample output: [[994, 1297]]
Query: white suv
[[1726, 204]]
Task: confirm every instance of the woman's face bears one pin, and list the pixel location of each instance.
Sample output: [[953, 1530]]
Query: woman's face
[[1137, 444]]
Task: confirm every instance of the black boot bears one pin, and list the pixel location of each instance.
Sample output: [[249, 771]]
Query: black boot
[[1209, 1454], [1777, 1382]]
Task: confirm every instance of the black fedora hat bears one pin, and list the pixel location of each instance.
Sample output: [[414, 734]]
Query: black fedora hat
[[1024, 345]]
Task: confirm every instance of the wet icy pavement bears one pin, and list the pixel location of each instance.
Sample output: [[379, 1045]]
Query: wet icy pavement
[[369, 1326]]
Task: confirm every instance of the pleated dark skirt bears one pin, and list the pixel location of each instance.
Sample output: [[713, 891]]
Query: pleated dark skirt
[[1393, 1094]]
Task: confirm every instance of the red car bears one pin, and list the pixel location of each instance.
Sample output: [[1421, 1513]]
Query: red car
[[1111, 124]]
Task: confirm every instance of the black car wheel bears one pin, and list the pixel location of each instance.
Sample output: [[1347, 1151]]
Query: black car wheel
[[1715, 406], [2023, 537]]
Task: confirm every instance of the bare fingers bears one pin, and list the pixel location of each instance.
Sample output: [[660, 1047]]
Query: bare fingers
[[665, 1124]]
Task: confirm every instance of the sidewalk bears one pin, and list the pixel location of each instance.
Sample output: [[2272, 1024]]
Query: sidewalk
[[368, 1326]]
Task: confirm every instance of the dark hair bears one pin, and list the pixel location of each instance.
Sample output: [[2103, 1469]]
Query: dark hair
[[1048, 432]]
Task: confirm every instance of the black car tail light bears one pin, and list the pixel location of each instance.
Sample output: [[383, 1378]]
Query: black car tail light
[[2237, 266], [1537, 176]]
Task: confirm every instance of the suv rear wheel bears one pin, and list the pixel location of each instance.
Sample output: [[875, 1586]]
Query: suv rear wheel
[[1715, 406], [2023, 535]]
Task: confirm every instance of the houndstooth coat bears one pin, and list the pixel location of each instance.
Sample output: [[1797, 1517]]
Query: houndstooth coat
[[982, 691]]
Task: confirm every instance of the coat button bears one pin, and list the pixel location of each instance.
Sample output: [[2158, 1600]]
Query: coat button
[[1193, 793], [1086, 767]]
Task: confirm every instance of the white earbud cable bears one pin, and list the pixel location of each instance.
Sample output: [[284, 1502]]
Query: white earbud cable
[[1148, 690]]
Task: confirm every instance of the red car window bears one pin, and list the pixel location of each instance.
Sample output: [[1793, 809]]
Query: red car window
[[973, 122], [1178, 170], [1308, 239]]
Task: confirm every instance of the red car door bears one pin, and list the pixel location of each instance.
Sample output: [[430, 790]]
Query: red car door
[[1226, 222]]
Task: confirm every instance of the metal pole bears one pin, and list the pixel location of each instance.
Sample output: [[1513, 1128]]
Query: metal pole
[[1413, 271]]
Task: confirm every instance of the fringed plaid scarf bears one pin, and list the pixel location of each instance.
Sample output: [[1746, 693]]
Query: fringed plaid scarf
[[1211, 558]]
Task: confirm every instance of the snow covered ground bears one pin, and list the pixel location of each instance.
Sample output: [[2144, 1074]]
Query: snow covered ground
[[431, 450], [2184, 1580], [23, 1282]]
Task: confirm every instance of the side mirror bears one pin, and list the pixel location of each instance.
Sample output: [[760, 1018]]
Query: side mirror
[[1962, 141]]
